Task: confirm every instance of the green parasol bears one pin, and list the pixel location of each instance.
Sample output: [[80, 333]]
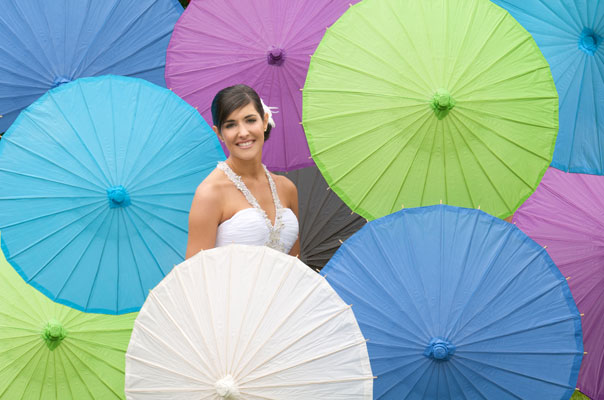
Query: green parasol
[[50, 351], [411, 103]]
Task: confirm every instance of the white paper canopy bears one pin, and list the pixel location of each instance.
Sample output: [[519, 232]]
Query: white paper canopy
[[246, 322]]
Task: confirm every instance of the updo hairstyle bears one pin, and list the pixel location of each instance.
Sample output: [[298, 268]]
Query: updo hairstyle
[[232, 98]]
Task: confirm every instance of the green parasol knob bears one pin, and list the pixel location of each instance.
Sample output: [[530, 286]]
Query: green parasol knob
[[53, 333], [442, 103]]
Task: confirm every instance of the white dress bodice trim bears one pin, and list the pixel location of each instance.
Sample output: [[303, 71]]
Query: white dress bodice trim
[[252, 225]]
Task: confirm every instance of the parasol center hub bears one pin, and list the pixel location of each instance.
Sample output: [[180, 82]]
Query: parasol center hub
[[60, 80], [118, 196], [589, 41], [442, 102], [440, 352], [439, 349], [226, 388], [275, 56], [53, 334]]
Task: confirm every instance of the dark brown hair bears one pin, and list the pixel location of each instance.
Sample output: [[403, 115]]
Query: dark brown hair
[[232, 98]]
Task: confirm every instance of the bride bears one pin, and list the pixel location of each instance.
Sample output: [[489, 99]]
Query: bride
[[240, 201]]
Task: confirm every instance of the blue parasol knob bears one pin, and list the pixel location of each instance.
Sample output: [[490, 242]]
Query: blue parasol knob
[[118, 197], [589, 41], [53, 334], [60, 80], [275, 56], [439, 349]]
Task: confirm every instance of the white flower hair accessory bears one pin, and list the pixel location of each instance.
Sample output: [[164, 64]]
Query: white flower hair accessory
[[269, 111]]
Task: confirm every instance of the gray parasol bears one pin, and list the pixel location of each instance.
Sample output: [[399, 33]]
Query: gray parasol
[[325, 221]]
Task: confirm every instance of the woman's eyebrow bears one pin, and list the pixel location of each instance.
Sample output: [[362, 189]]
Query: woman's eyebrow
[[232, 120]]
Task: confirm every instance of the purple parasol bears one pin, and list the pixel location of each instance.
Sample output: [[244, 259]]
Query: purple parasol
[[265, 44], [566, 214]]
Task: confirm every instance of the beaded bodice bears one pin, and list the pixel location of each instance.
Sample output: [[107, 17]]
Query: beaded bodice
[[274, 237]]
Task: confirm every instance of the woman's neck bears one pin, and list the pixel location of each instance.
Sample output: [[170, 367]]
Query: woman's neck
[[246, 168]]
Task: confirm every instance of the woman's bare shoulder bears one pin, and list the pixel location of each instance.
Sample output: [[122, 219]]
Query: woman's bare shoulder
[[283, 182], [212, 187], [286, 187]]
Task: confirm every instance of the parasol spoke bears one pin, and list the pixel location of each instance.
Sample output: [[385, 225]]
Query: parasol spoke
[[265, 314], [95, 135], [77, 65], [69, 224], [292, 342], [51, 214], [100, 184], [532, 377], [94, 280], [378, 311], [468, 380], [260, 308], [102, 175], [182, 357], [344, 347], [42, 70], [542, 325], [129, 26]]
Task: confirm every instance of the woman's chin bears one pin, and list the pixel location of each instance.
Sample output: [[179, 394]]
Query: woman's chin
[[246, 154]]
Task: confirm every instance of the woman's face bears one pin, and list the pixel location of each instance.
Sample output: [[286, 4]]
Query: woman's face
[[243, 132]]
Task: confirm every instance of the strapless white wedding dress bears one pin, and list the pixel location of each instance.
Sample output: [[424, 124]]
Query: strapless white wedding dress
[[252, 226]]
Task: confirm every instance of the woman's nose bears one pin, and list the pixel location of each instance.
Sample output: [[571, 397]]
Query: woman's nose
[[243, 131]]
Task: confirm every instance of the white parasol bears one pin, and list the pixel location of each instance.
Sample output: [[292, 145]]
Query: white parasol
[[246, 322]]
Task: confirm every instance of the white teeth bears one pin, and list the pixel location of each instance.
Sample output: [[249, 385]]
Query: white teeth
[[245, 144]]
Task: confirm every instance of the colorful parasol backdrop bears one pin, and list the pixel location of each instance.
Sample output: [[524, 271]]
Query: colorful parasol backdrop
[[48, 43], [566, 214], [52, 352], [325, 221], [570, 35], [410, 103], [262, 43], [458, 304], [246, 322], [97, 178]]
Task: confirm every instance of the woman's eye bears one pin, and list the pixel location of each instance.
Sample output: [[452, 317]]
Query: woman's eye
[[228, 126], [251, 120]]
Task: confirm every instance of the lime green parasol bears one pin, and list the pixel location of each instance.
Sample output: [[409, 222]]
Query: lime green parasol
[[52, 352], [411, 103]]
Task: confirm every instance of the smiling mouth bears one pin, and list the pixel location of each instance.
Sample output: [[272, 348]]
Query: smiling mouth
[[245, 145]]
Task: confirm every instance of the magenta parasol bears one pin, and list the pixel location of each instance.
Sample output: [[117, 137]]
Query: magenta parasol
[[566, 214], [265, 44]]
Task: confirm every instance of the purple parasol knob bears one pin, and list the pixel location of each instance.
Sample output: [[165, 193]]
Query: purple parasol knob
[[118, 197], [439, 349], [589, 41], [275, 56]]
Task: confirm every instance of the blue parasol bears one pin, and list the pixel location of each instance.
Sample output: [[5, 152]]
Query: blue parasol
[[98, 177], [570, 35], [457, 304], [47, 43]]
